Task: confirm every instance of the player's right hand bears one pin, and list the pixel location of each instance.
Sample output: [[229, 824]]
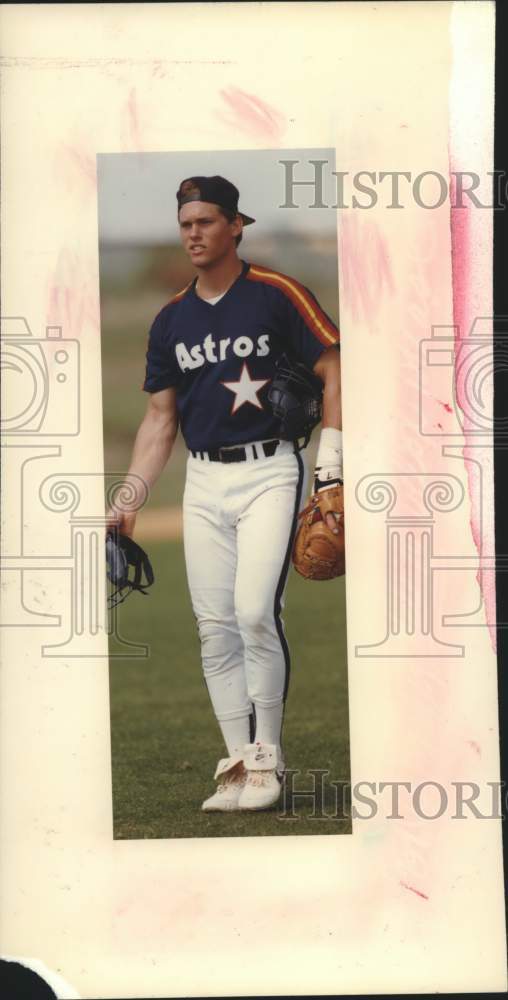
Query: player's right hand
[[124, 521]]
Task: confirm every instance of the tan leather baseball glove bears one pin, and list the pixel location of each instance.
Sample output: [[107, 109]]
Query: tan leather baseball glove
[[318, 553]]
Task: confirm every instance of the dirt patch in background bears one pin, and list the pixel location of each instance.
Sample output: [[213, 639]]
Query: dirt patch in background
[[159, 524]]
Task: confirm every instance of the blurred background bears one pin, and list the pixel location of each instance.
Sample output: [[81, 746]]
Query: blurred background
[[142, 265], [165, 741]]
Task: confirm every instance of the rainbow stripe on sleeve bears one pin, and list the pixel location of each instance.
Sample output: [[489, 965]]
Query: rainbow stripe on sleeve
[[304, 302]]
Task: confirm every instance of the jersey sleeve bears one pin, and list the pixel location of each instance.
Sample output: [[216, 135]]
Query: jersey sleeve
[[308, 329], [161, 368]]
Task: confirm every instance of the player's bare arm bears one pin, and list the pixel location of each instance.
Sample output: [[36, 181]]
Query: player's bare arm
[[327, 367], [329, 457], [152, 448]]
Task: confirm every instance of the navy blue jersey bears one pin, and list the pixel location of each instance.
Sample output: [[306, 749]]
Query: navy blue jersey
[[221, 358]]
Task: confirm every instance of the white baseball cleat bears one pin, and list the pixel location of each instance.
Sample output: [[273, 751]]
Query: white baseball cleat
[[234, 776], [264, 776]]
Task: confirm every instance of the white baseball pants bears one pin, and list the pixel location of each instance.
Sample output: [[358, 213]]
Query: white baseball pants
[[239, 524]]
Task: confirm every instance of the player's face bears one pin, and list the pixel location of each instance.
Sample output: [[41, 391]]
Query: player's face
[[206, 234]]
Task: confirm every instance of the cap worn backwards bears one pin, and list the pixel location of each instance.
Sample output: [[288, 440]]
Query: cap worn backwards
[[216, 190]]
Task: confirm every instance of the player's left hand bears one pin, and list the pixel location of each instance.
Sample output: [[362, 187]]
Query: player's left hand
[[323, 479], [319, 549], [123, 521]]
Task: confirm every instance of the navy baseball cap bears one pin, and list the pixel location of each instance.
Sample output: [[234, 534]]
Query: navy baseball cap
[[216, 190]]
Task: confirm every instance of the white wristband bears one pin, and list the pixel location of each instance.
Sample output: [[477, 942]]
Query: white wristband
[[330, 449]]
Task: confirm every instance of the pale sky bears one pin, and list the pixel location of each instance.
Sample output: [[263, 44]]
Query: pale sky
[[137, 191]]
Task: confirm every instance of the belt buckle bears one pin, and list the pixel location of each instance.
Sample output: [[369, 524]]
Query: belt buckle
[[229, 455], [223, 456]]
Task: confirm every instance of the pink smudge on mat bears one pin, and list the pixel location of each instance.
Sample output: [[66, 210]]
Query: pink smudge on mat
[[251, 114], [72, 296], [461, 262], [411, 888], [366, 269], [445, 406], [477, 453], [133, 118], [475, 746], [76, 168], [422, 694]]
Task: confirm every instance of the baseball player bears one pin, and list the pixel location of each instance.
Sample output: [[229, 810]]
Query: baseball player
[[212, 353]]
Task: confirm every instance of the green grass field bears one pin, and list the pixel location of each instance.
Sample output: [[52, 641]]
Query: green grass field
[[165, 740]]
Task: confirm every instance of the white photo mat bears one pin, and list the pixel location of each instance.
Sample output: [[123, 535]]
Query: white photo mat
[[408, 905]]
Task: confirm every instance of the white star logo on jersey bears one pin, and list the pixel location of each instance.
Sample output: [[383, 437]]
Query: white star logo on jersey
[[246, 389]]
